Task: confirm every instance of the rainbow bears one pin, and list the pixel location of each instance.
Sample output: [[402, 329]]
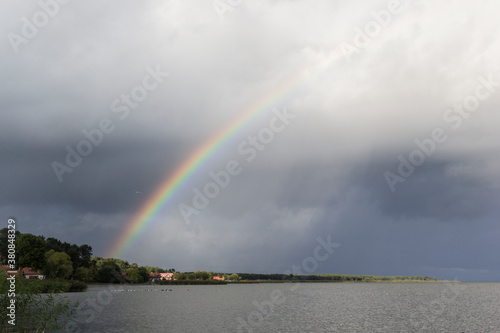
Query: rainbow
[[173, 182]]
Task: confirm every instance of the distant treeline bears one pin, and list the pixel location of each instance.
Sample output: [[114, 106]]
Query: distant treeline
[[190, 282], [332, 277]]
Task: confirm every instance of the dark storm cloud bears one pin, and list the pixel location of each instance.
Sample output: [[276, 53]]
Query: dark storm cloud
[[443, 189], [96, 184], [323, 174]]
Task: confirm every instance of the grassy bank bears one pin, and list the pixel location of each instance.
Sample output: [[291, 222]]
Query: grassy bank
[[50, 286]]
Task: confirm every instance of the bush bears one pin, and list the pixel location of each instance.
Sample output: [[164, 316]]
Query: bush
[[35, 312], [77, 286]]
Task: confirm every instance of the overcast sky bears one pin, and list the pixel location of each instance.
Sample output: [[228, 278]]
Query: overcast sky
[[390, 147]]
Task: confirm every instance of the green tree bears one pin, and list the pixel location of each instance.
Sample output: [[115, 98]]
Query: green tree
[[85, 252], [84, 274], [234, 277], [202, 275], [155, 269], [179, 276], [97, 262], [123, 264], [52, 243], [144, 273], [134, 276], [109, 272], [30, 250], [151, 269], [80, 255], [58, 265], [74, 254]]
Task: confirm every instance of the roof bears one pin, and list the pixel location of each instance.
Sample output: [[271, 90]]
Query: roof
[[30, 271], [161, 274]]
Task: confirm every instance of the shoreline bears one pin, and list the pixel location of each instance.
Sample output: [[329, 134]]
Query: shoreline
[[208, 283]]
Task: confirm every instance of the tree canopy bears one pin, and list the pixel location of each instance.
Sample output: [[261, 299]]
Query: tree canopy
[[30, 251], [58, 265], [54, 258]]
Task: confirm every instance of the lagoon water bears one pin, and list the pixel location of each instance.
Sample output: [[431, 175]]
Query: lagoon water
[[290, 307]]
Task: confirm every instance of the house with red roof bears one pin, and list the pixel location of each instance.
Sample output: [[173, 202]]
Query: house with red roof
[[161, 276], [29, 273], [155, 276], [26, 272], [166, 276], [218, 278]]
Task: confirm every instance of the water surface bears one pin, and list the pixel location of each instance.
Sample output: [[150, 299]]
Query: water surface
[[290, 307]]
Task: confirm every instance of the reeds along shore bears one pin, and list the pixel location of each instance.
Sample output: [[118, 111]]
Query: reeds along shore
[[332, 278], [49, 286]]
